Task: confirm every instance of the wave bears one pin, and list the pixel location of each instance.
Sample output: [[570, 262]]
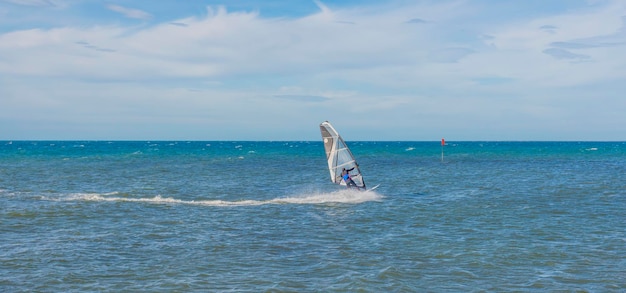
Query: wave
[[343, 196]]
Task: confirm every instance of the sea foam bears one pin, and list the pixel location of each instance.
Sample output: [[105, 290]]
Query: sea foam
[[342, 196]]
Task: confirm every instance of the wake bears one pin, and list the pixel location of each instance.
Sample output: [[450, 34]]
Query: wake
[[343, 196]]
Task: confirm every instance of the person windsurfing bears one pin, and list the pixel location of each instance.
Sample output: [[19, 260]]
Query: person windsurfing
[[345, 174]]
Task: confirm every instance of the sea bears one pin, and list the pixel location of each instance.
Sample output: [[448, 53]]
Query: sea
[[263, 216]]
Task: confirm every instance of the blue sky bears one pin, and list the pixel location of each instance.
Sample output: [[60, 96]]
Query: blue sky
[[273, 70]]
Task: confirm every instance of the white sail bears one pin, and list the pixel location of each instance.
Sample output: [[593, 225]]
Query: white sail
[[339, 156]]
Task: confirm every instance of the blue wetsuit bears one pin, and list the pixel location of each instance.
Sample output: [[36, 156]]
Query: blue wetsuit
[[347, 179]]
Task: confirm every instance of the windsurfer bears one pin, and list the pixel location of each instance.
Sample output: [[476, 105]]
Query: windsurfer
[[345, 174]]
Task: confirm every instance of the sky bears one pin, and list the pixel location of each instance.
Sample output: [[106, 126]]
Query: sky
[[275, 69]]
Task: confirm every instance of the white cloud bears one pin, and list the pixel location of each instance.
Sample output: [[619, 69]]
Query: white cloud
[[565, 54], [129, 12], [414, 69], [41, 3]]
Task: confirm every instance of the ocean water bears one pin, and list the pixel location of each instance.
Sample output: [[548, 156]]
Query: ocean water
[[224, 216]]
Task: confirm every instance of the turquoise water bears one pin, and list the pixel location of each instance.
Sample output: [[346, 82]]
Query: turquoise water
[[263, 216]]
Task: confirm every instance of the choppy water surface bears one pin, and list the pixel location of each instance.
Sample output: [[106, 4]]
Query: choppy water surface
[[263, 216]]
